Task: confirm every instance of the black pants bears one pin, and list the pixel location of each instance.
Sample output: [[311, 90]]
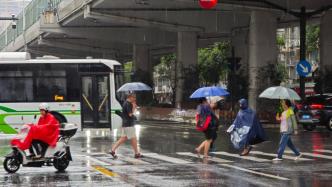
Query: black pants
[[39, 146]]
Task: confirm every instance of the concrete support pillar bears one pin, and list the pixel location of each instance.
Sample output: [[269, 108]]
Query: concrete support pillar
[[143, 71], [262, 52], [141, 58], [240, 44], [185, 66], [326, 52]]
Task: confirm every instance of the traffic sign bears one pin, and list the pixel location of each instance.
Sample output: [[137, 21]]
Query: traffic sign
[[303, 68]]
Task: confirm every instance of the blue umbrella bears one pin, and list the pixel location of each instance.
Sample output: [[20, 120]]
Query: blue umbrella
[[209, 91], [134, 86]]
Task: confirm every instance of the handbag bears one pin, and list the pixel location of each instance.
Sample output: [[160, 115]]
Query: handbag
[[203, 122]]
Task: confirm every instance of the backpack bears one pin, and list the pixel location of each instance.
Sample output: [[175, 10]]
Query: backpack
[[203, 122], [291, 122]]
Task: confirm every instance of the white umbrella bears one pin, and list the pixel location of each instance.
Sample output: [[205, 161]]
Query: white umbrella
[[134, 86], [280, 92]]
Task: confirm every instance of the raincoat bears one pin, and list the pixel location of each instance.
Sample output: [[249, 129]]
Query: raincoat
[[46, 130], [246, 129]]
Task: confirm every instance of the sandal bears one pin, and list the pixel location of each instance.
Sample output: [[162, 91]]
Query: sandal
[[197, 152], [113, 155], [138, 155]]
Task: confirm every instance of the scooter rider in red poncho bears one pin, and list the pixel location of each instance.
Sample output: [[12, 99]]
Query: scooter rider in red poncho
[[45, 133]]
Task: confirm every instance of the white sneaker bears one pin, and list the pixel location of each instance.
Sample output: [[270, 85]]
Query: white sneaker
[[277, 159], [298, 157]]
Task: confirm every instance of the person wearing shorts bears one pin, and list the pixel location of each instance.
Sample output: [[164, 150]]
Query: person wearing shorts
[[128, 131]]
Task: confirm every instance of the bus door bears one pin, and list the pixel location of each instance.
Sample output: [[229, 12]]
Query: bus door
[[95, 101]]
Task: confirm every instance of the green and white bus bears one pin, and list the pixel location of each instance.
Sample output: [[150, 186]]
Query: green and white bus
[[82, 90]]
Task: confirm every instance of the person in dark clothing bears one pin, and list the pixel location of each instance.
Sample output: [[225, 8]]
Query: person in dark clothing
[[128, 130], [216, 103], [210, 133]]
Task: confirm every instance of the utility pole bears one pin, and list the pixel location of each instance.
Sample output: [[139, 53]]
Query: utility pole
[[303, 34]]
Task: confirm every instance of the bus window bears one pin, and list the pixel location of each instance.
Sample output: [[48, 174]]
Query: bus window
[[15, 85], [48, 87]]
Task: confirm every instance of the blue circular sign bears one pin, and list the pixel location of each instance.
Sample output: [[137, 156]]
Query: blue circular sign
[[303, 68]]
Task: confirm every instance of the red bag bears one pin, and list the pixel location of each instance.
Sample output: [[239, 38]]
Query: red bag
[[203, 122]]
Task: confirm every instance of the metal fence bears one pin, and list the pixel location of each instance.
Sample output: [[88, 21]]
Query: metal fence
[[29, 16]]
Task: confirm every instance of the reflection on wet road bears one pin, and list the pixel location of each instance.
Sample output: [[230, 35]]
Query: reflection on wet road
[[169, 161]]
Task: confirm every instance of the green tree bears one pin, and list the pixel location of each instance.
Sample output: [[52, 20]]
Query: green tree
[[312, 38], [212, 63], [281, 41], [128, 67]]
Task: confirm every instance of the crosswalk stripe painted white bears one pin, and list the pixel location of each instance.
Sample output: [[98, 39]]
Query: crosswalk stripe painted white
[[214, 159], [242, 157], [322, 150], [275, 155], [97, 161], [255, 172], [166, 158], [132, 160], [313, 155]]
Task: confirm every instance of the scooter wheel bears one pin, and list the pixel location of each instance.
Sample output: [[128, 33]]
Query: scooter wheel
[[61, 164], [11, 164]]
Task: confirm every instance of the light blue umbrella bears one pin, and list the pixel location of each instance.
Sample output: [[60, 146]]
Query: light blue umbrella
[[134, 86], [280, 92], [209, 91]]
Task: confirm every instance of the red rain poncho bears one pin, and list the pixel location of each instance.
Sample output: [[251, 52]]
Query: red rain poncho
[[47, 130]]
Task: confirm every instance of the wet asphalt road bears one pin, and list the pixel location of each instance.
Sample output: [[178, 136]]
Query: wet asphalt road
[[169, 161]]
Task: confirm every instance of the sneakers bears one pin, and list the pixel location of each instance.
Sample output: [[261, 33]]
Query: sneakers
[[113, 154], [277, 159], [298, 157]]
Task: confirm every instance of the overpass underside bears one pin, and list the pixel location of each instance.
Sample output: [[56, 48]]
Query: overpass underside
[[145, 30]]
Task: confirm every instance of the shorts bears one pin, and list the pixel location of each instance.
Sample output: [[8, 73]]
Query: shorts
[[129, 132], [210, 134]]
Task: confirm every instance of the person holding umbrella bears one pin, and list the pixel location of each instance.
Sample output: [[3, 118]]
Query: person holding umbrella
[[129, 107], [128, 130], [206, 114], [288, 126], [288, 123]]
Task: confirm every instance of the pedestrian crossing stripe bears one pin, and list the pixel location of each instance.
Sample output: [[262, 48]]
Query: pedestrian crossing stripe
[[213, 159], [316, 155], [242, 157], [255, 172], [275, 155], [125, 160], [167, 158], [133, 161], [322, 150]]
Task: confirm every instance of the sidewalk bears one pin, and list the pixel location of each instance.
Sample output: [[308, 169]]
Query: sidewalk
[[188, 116]]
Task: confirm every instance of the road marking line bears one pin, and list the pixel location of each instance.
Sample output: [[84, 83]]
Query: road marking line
[[214, 159], [313, 155], [97, 161], [275, 155], [242, 157], [167, 158], [255, 172], [132, 160], [105, 171], [322, 150]]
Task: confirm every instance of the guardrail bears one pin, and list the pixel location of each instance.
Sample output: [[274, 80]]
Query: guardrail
[[29, 16]]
